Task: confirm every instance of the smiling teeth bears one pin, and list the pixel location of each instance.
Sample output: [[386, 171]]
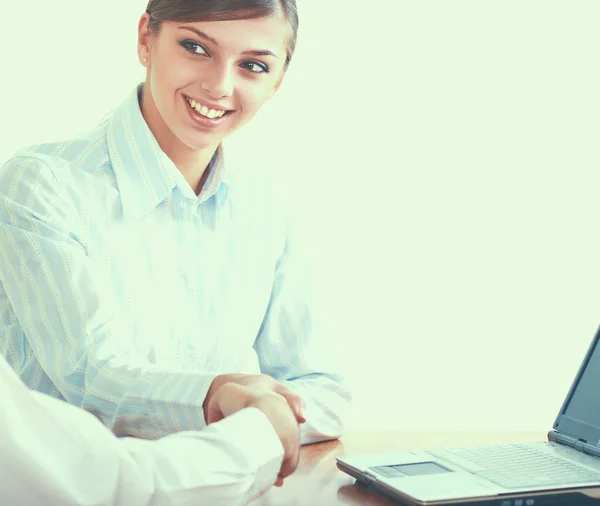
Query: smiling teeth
[[203, 110]]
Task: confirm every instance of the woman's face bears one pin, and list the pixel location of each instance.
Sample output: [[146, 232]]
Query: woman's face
[[206, 79]]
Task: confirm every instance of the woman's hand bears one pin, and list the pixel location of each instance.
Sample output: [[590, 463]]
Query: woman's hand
[[257, 384], [231, 397]]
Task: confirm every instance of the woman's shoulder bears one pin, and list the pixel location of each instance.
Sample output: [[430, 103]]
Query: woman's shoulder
[[87, 152]]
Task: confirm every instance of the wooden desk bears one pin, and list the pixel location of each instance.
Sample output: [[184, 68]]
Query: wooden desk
[[318, 482]]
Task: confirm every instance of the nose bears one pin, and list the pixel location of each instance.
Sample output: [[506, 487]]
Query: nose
[[219, 81]]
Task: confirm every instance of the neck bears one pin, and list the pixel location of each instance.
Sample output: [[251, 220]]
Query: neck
[[192, 164]]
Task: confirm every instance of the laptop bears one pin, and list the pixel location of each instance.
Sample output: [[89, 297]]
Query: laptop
[[563, 470]]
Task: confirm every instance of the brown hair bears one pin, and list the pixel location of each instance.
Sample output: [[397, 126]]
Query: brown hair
[[188, 11]]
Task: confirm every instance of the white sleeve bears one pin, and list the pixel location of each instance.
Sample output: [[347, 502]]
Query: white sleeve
[[53, 453]]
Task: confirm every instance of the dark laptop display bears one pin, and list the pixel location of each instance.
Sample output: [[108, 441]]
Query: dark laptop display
[[580, 414]]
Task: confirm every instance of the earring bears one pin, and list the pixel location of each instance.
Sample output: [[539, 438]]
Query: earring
[[145, 59]]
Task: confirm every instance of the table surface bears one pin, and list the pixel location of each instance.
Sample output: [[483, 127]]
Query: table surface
[[318, 481]]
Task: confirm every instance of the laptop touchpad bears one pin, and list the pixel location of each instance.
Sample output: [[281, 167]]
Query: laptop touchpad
[[421, 468]]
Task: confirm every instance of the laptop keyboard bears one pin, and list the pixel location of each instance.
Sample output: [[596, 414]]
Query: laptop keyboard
[[518, 466]]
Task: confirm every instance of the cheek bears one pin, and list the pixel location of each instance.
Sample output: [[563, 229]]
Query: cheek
[[171, 73], [173, 78], [255, 99]]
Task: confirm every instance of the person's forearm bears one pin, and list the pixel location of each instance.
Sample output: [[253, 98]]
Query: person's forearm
[[61, 455], [229, 463], [156, 404]]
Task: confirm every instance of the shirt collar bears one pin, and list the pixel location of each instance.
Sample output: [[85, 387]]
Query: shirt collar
[[145, 175], [218, 180]]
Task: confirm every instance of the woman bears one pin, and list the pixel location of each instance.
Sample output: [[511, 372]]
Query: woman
[[139, 270]]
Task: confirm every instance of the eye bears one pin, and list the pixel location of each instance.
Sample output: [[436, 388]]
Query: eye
[[255, 67], [193, 47]]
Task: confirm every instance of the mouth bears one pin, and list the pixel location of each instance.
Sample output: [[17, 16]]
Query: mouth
[[205, 112]]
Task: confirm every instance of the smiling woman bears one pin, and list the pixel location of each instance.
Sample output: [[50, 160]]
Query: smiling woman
[[141, 273], [196, 59]]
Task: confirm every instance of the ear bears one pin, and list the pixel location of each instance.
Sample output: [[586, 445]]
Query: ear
[[144, 37]]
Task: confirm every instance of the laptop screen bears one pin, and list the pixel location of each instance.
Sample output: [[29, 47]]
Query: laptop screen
[[580, 414]]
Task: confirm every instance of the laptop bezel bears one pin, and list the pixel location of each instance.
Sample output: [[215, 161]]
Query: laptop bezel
[[572, 427]]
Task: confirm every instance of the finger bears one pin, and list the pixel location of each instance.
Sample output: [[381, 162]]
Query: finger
[[213, 413], [294, 400], [291, 463], [301, 418], [279, 481], [297, 410]]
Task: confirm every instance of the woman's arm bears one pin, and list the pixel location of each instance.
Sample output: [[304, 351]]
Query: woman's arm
[[295, 347], [57, 454], [56, 297]]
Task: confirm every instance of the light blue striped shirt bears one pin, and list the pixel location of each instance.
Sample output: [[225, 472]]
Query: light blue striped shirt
[[123, 292]]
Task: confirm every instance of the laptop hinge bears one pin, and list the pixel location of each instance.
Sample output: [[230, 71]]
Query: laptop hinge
[[579, 444]]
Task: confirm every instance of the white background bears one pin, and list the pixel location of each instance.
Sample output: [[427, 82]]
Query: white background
[[442, 158]]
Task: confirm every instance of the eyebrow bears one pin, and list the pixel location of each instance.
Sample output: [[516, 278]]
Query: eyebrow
[[202, 35]]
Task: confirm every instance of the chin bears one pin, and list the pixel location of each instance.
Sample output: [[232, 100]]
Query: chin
[[196, 145], [197, 141]]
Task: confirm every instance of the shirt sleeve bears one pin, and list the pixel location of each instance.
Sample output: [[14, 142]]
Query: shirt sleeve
[[57, 454], [68, 315], [296, 347]]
